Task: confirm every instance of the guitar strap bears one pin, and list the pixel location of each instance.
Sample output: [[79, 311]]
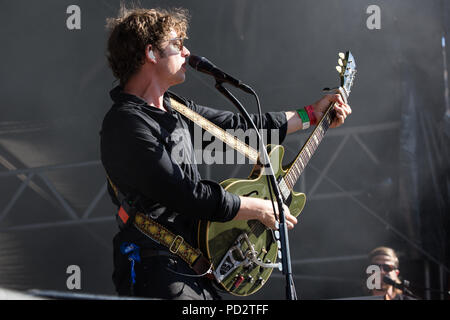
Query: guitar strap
[[129, 215], [216, 131]]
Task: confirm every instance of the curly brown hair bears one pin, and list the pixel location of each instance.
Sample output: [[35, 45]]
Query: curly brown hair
[[136, 28]]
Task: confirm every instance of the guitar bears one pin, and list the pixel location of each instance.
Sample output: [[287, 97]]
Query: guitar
[[243, 253]]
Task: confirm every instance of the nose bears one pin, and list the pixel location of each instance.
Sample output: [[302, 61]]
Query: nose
[[185, 52]]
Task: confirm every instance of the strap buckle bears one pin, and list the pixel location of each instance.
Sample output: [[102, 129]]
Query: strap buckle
[[174, 242]]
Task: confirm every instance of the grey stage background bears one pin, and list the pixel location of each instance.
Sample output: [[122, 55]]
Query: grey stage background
[[381, 179]]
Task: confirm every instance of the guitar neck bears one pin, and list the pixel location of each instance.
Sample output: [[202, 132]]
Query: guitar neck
[[308, 149]]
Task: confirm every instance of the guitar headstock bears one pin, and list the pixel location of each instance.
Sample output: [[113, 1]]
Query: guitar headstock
[[347, 71]]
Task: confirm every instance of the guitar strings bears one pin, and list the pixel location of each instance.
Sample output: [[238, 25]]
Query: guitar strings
[[259, 227]]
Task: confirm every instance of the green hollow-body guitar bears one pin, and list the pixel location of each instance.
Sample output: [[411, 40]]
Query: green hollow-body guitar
[[244, 253]]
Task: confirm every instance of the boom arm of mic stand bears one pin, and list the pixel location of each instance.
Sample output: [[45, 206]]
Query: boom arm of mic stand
[[285, 251]]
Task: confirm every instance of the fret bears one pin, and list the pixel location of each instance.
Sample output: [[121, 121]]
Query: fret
[[293, 172], [328, 121], [288, 181], [315, 142], [292, 181], [311, 147], [321, 132], [299, 170], [301, 162], [307, 151], [296, 172], [305, 160], [291, 178], [299, 167]]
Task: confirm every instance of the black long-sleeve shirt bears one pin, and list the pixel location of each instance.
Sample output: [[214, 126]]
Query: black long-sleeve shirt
[[137, 141]]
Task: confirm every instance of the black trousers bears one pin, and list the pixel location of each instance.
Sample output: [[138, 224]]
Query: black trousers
[[155, 278]]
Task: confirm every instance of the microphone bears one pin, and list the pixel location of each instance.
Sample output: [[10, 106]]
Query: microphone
[[403, 285], [204, 65]]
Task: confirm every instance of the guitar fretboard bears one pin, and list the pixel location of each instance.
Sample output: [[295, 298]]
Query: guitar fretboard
[[308, 149]]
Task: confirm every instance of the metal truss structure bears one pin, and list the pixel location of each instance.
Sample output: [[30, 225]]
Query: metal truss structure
[[29, 176]]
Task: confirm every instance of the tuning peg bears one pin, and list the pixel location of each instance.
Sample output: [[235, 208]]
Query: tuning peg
[[342, 55], [341, 63], [339, 69]]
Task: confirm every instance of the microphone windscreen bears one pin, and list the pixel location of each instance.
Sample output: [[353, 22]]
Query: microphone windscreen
[[194, 61], [200, 64]]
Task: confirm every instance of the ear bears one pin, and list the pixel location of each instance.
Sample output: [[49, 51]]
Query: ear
[[149, 54]]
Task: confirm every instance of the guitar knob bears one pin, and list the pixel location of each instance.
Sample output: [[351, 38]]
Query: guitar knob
[[342, 55], [340, 62], [250, 279], [339, 69], [239, 280]]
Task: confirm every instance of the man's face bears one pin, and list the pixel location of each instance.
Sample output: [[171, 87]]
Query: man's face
[[172, 60], [387, 267]]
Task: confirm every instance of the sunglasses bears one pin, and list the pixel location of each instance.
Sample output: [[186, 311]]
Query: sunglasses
[[178, 43], [387, 267]]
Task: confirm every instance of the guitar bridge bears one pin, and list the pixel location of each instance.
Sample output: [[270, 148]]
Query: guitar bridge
[[229, 263], [247, 259]]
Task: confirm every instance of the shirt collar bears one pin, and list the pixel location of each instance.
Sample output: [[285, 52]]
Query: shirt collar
[[118, 95]]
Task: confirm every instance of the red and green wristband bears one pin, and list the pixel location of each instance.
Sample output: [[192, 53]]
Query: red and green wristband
[[311, 115], [307, 116]]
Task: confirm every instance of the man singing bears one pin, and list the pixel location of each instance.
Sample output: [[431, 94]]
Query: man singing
[[147, 55]]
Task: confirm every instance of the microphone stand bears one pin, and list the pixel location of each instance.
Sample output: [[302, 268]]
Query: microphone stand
[[285, 252], [408, 292]]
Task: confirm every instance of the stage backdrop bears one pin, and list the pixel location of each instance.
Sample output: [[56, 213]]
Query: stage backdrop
[[380, 179]]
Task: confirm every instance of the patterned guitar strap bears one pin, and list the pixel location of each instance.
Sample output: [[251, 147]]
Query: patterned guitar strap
[[216, 131]]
